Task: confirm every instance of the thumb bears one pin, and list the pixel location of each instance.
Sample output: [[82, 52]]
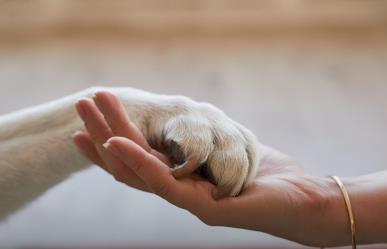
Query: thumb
[[191, 195], [156, 175]]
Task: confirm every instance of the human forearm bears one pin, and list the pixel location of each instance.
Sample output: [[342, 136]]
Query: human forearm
[[368, 196], [311, 210]]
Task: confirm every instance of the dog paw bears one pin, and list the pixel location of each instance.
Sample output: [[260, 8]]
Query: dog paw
[[200, 137]]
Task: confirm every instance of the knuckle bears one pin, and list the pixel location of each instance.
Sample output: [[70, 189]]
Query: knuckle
[[208, 218], [118, 128], [136, 167], [119, 175], [162, 190], [104, 131], [206, 211], [209, 222], [101, 135], [93, 136]]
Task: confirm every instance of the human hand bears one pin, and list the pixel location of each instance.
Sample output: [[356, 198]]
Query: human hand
[[196, 136], [102, 125], [282, 200]]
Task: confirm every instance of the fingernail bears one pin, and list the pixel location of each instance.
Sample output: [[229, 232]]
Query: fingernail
[[76, 134], [81, 110], [112, 148], [97, 102], [94, 97], [82, 113], [80, 147]]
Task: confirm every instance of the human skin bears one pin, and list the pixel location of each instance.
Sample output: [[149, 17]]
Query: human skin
[[282, 201]]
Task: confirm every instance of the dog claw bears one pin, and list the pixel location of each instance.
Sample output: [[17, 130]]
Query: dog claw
[[185, 169]]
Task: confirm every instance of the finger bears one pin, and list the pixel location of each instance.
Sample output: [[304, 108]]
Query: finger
[[86, 146], [93, 120], [99, 132], [98, 129], [151, 170], [118, 120], [194, 196], [116, 117]]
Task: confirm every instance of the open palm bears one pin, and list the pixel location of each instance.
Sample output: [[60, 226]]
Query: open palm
[[282, 200]]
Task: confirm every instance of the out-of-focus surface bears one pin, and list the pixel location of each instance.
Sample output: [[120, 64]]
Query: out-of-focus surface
[[305, 81], [162, 17]]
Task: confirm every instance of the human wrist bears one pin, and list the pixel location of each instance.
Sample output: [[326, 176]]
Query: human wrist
[[326, 217], [320, 217], [368, 205], [345, 215]]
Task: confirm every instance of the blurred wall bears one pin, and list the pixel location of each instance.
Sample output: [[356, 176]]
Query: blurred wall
[[308, 77]]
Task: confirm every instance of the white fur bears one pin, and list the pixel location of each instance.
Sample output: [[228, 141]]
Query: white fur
[[37, 152]]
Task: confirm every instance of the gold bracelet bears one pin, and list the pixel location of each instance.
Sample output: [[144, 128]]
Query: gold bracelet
[[349, 208]]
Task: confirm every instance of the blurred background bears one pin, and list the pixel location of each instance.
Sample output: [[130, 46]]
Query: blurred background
[[309, 77]]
